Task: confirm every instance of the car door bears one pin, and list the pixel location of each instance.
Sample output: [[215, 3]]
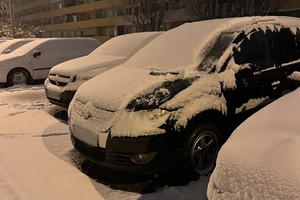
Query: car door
[[44, 57], [287, 53], [256, 54]]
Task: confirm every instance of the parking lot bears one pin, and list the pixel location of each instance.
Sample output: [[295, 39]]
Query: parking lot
[[36, 152]]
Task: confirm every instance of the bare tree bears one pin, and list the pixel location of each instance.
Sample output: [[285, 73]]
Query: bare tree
[[210, 9], [20, 30], [146, 15]]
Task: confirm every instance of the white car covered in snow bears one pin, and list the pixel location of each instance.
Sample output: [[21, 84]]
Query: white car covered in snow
[[173, 102], [64, 79], [11, 45], [261, 159], [33, 60]]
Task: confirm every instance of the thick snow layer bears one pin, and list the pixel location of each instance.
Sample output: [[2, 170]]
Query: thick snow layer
[[110, 54], [295, 76], [261, 158], [36, 156], [11, 45], [185, 46], [155, 64]]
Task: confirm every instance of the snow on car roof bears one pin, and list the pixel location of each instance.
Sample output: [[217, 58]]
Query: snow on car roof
[[184, 46], [28, 47], [15, 42], [261, 158]]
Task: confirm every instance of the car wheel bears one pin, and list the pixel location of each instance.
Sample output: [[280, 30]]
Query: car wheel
[[202, 147], [18, 76]]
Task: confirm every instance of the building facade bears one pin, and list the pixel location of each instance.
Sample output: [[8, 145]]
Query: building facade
[[100, 19]]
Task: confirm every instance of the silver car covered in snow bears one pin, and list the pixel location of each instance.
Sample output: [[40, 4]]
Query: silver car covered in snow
[[65, 78]]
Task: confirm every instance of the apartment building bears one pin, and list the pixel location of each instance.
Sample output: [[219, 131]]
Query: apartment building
[[100, 19]]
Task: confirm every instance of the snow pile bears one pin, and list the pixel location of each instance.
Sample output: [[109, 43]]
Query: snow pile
[[31, 99], [110, 54], [295, 76], [261, 158]]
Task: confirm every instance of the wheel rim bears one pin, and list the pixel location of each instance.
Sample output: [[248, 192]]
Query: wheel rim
[[204, 151], [19, 78]]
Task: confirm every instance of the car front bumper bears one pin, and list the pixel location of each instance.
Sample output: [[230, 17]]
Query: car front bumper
[[58, 95], [139, 155]]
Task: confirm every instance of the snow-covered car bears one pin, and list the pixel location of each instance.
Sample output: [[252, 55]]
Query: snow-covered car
[[261, 159], [65, 78], [172, 103], [11, 45], [33, 60]]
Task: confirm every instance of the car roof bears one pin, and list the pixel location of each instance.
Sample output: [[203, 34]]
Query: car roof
[[27, 47], [185, 45], [8, 43]]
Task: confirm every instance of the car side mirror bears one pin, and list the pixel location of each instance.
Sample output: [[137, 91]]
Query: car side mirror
[[7, 51], [36, 53]]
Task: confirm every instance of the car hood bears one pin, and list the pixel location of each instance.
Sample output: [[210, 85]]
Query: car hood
[[86, 63], [114, 89]]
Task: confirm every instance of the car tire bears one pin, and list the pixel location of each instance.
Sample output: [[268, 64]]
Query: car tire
[[201, 148], [18, 76]]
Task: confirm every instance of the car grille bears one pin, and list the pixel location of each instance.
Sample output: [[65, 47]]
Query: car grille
[[99, 155], [59, 80]]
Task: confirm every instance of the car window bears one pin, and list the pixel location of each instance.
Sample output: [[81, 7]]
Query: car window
[[286, 47], [257, 50], [216, 51]]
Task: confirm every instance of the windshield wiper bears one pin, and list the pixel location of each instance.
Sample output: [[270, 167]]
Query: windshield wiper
[[156, 73]]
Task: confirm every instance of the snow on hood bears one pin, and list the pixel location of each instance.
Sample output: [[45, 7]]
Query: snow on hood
[[85, 63], [114, 89], [261, 158]]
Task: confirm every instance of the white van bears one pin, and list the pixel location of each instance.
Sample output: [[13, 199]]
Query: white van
[[33, 61], [65, 78], [11, 45]]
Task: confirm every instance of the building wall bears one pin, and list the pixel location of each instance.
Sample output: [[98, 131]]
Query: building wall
[[100, 19]]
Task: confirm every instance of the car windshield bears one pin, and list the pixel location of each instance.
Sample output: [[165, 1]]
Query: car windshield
[[216, 51], [177, 49]]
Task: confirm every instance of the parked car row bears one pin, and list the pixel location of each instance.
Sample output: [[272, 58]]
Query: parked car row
[[149, 102]]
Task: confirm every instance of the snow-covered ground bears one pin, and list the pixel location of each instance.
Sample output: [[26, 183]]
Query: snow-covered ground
[[38, 161]]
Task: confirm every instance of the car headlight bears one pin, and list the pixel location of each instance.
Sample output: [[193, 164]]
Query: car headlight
[[160, 95]]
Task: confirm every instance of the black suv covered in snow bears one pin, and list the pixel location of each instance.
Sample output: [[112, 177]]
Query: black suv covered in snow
[[174, 102]]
